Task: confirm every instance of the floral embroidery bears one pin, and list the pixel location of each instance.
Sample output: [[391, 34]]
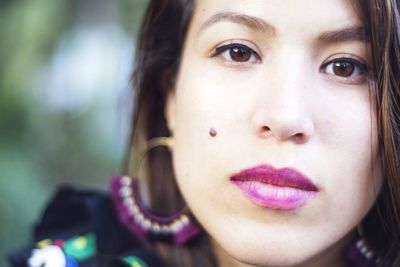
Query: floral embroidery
[[50, 256], [61, 253], [81, 248]]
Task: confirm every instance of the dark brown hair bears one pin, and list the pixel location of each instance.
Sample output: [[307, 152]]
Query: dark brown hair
[[381, 21], [158, 55], [159, 51]]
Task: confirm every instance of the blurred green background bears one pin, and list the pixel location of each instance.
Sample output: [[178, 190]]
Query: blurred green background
[[65, 101]]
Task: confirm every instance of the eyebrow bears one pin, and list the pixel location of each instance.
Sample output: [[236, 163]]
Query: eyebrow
[[251, 22], [355, 33]]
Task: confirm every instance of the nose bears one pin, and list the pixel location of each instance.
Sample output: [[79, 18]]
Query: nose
[[283, 110], [284, 123]]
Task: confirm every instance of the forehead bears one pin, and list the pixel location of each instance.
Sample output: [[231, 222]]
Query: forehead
[[302, 18]]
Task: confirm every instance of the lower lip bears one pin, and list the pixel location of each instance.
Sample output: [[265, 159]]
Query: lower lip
[[274, 197]]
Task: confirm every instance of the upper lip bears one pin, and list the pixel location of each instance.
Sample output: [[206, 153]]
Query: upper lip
[[283, 177]]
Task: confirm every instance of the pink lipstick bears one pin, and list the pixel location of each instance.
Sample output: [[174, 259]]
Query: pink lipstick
[[280, 189]]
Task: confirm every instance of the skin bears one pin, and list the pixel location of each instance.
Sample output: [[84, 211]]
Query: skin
[[286, 107]]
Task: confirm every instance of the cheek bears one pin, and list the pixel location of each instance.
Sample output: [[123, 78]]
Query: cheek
[[348, 162], [213, 96], [206, 100]]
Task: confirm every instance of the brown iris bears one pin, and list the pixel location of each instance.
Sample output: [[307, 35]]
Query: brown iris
[[343, 68], [240, 54]]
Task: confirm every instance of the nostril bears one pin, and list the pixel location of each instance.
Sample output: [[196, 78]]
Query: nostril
[[265, 128], [299, 138], [265, 131]]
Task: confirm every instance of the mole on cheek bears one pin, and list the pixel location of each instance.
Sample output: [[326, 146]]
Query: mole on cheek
[[213, 132]]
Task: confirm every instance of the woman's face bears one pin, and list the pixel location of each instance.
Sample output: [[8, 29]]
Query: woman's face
[[294, 166]]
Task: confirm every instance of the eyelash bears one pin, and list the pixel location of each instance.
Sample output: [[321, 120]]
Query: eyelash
[[358, 66], [221, 50], [358, 75]]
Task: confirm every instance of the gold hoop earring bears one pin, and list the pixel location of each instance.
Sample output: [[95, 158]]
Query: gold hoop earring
[[152, 143], [178, 228]]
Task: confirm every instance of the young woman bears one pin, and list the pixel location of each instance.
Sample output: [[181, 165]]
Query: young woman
[[283, 122]]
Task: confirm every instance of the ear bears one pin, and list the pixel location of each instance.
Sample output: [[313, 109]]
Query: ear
[[169, 110]]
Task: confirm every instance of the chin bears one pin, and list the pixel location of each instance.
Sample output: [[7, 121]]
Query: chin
[[270, 249], [281, 257]]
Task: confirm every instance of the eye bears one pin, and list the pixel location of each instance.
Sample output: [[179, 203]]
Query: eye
[[346, 68], [236, 53]]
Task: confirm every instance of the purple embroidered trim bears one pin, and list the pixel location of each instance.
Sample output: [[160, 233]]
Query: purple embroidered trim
[[134, 216]]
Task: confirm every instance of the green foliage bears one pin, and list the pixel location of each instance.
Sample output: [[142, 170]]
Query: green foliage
[[42, 147]]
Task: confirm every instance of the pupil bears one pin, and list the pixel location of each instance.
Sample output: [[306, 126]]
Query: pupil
[[342, 68], [240, 54]]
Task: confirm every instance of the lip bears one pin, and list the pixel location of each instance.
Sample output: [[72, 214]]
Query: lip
[[280, 189]]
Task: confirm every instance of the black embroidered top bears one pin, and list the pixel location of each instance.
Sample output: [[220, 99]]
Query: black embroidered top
[[80, 229]]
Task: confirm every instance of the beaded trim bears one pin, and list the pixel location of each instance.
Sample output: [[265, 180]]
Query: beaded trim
[[361, 254], [364, 249], [142, 223]]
